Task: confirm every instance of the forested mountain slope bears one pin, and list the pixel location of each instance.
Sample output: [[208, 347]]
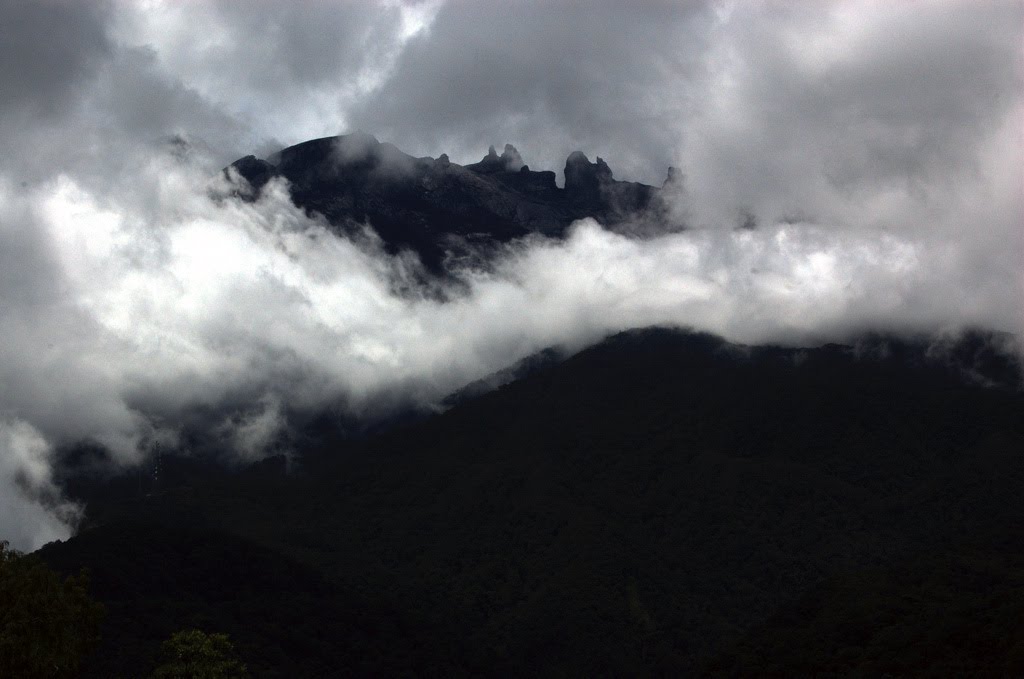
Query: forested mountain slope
[[660, 503]]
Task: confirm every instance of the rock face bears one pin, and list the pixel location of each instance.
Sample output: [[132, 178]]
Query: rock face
[[437, 208]]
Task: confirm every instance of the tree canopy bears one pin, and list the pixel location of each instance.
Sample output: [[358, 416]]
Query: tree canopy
[[194, 654], [47, 624]]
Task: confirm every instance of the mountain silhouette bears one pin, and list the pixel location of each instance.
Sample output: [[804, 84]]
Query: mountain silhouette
[[660, 504], [439, 209]]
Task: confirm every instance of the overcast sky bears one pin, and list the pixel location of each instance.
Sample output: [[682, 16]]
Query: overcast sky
[[878, 146]]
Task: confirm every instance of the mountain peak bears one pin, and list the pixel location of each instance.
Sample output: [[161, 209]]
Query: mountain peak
[[511, 158], [508, 161], [583, 179], [429, 206]]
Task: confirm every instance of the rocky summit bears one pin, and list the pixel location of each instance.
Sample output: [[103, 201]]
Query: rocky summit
[[437, 208]]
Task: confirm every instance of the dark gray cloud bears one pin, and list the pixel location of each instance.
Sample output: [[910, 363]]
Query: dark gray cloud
[[289, 70], [605, 77], [876, 145], [46, 49], [824, 107], [298, 46]]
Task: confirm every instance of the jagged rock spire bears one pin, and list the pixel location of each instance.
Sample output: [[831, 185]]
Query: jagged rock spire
[[508, 161], [513, 161], [584, 179]]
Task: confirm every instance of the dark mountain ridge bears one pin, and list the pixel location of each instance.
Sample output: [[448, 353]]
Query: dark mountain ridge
[[439, 209]]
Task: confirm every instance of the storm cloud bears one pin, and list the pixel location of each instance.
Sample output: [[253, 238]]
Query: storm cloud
[[876, 149]]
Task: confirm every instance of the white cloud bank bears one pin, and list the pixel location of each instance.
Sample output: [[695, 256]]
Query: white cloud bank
[[136, 314]]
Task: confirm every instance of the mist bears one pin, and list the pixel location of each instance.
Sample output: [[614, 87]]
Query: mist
[[136, 301]]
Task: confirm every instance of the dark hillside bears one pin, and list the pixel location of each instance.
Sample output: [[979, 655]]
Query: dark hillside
[[157, 575], [660, 503]]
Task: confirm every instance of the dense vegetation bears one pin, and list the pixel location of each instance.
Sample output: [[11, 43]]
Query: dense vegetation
[[47, 623], [657, 504], [194, 654]]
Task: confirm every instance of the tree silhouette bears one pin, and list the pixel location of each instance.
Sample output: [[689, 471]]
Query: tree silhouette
[[194, 654], [46, 624]]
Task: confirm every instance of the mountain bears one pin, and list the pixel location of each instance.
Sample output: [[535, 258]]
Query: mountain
[[663, 503], [441, 210]]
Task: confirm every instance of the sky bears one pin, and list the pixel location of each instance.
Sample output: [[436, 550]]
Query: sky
[[878, 147]]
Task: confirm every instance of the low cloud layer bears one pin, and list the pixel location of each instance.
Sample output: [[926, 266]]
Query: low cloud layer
[[878, 150]]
